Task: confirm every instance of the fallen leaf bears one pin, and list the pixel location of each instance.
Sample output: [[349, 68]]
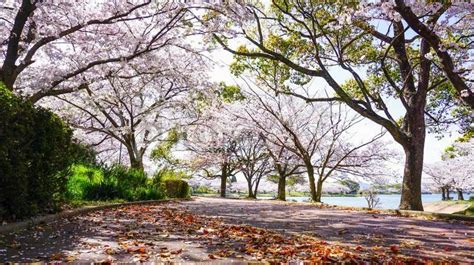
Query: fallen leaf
[[176, 252], [394, 249]]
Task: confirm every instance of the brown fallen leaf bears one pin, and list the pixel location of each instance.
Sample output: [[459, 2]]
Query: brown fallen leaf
[[57, 256], [176, 252], [394, 249]]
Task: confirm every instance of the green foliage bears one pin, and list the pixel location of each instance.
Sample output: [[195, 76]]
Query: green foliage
[[83, 154], [204, 190], [162, 154], [293, 37], [451, 151], [273, 178], [445, 109], [111, 183], [169, 174], [293, 180], [230, 93], [80, 178], [176, 188], [36, 149]]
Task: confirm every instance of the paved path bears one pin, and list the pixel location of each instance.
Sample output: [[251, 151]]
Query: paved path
[[207, 229], [418, 237]]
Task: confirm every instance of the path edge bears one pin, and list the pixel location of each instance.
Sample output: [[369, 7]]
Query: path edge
[[4, 229]]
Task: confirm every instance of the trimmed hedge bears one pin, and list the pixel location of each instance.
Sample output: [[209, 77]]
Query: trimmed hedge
[[176, 188], [35, 153]]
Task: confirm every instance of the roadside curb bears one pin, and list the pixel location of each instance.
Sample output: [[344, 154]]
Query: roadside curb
[[70, 213]]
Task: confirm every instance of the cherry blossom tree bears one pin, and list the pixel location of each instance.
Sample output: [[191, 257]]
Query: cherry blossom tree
[[136, 104], [253, 159], [322, 148], [48, 48], [414, 55], [455, 170], [461, 165], [462, 176], [439, 176], [212, 142], [286, 165]]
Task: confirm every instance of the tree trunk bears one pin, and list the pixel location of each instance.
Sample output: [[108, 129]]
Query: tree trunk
[[223, 181], [255, 189], [460, 195], [443, 194], [312, 185], [223, 185], [136, 163], [251, 195], [8, 73], [281, 188], [448, 197], [319, 190], [136, 160], [411, 188]]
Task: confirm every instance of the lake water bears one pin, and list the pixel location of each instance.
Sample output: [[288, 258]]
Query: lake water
[[387, 201]]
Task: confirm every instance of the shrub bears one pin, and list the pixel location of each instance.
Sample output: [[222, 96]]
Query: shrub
[[165, 173], [83, 154], [176, 188], [203, 190], [35, 153], [80, 178], [111, 183]]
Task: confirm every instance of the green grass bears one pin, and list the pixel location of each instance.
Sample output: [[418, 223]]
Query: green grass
[[82, 176], [109, 183], [469, 211], [82, 203]]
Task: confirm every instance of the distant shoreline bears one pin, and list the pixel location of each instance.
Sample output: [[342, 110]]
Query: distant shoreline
[[300, 194]]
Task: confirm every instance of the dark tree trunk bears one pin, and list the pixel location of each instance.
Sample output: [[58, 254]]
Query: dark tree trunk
[[8, 73], [443, 194], [319, 190], [136, 160], [460, 195], [223, 181], [448, 197], [255, 189], [136, 164], [414, 146], [411, 188], [312, 184], [223, 185], [251, 194], [281, 188]]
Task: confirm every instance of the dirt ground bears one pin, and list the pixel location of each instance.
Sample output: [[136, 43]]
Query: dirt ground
[[228, 231]]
